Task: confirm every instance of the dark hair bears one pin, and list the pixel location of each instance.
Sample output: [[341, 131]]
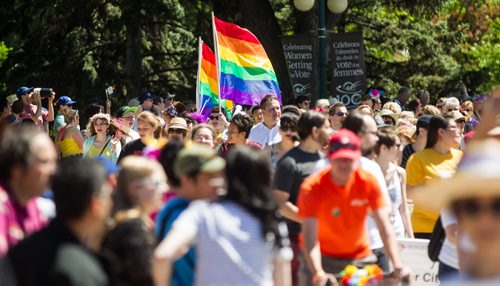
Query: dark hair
[[167, 158], [421, 93], [333, 108], [17, 107], [437, 122], [216, 109], [248, 174], [268, 98], [413, 105], [291, 109], [254, 108], [404, 90], [301, 98], [243, 122], [309, 120], [386, 137], [90, 111], [129, 247], [15, 148], [75, 182], [355, 122], [289, 120], [189, 119]]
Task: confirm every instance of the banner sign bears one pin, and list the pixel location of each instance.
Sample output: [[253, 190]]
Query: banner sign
[[348, 67], [300, 55], [413, 254]]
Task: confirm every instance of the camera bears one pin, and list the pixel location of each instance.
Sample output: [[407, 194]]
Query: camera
[[44, 92]]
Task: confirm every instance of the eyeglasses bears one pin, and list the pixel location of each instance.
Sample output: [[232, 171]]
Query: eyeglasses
[[288, 128], [214, 117], [175, 131], [460, 121], [473, 207], [340, 113]]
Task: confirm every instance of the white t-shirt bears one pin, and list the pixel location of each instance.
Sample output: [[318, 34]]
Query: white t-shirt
[[230, 239], [373, 168], [448, 254], [265, 136]]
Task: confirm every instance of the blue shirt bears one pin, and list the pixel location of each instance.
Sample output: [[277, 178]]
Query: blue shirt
[[183, 270]]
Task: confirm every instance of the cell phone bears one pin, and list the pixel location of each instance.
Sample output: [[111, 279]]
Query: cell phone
[[109, 91]]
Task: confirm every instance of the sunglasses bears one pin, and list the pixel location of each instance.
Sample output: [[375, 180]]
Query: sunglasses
[[214, 117], [473, 208], [341, 113], [175, 131], [460, 121], [287, 128], [335, 146]]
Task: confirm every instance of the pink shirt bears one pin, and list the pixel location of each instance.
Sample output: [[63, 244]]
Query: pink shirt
[[17, 222], [30, 110]]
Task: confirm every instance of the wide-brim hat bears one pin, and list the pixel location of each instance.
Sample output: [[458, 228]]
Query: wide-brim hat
[[478, 175], [390, 113]]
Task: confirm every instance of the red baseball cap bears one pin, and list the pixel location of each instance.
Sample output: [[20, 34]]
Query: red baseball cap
[[344, 144]]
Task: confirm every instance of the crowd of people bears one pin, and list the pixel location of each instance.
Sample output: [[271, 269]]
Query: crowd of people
[[157, 194]]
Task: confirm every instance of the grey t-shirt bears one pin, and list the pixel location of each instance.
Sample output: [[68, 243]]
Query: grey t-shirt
[[291, 170]]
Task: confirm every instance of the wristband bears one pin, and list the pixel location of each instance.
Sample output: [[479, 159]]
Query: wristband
[[318, 275]]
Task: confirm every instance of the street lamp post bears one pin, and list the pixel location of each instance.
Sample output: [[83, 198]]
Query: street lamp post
[[336, 7]]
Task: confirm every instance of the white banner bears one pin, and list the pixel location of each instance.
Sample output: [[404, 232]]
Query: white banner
[[413, 253]]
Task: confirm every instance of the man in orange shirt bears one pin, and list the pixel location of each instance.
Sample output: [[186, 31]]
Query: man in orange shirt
[[334, 205]]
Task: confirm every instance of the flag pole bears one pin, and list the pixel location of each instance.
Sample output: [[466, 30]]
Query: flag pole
[[217, 59], [198, 100]]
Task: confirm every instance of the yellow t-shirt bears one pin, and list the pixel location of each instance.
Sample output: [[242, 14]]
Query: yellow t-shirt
[[422, 168], [69, 147]]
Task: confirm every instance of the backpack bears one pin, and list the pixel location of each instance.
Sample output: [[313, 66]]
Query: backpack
[[436, 241]]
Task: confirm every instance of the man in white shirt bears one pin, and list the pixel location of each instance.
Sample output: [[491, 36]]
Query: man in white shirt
[[267, 132], [366, 128]]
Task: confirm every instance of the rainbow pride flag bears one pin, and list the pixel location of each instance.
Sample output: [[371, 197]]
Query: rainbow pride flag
[[246, 74], [207, 94]]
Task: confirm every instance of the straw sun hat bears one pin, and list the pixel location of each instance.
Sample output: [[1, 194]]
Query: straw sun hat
[[478, 175]]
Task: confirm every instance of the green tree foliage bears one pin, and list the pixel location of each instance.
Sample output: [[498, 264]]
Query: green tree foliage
[[79, 47]]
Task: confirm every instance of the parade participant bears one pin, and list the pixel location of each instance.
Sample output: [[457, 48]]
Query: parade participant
[[149, 129], [177, 129], [472, 195], [146, 103], [204, 134], [239, 233], [60, 254], [365, 128], [27, 161], [33, 106], [334, 205], [256, 113], [102, 140], [199, 172], [402, 98], [238, 132], [298, 163], [63, 104], [126, 116], [289, 138], [420, 139], [267, 132], [438, 160], [69, 139], [130, 243], [303, 102], [388, 151], [218, 120], [337, 114]]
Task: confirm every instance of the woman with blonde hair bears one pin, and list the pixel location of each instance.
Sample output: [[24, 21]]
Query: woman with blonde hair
[[69, 140], [130, 243], [103, 138], [149, 128]]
